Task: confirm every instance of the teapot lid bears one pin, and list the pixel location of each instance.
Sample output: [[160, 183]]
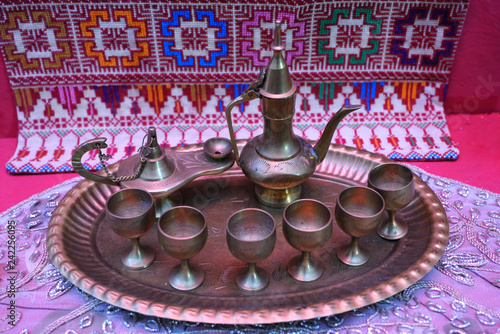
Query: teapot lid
[[278, 83], [157, 166]]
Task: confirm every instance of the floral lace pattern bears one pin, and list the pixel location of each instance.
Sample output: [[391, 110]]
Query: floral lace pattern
[[458, 296]]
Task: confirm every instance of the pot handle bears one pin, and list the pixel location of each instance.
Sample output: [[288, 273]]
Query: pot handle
[[76, 160], [251, 93]]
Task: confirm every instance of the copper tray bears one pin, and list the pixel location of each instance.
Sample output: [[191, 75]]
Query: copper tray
[[86, 252]]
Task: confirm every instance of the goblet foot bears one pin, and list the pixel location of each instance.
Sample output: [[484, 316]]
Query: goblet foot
[[305, 268], [393, 229], [352, 254], [186, 277], [252, 279], [138, 257]]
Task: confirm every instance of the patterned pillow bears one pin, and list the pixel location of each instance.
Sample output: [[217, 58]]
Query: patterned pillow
[[85, 69]]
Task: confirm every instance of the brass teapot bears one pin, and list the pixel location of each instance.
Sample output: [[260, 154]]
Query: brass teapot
[[278, 161]]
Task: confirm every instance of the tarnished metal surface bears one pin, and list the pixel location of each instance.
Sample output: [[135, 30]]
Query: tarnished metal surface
[[84, 249], [358, 212], [394, 182]]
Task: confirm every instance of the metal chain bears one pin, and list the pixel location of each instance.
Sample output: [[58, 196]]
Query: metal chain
[[138, 172]]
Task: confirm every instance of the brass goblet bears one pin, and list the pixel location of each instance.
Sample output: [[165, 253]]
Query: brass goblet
[[182, 234], [396, 185], [251, 236], [307, 226], [359, 212], [130, 213]]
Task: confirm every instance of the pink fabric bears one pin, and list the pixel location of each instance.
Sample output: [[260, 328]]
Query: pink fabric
[[454, 297], [477, 137], [8, 115], [17, 188], [474, 86]]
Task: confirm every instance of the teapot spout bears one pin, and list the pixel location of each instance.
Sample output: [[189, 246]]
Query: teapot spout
[[323, 144]]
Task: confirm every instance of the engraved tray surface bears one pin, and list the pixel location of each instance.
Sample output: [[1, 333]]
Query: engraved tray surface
[[87, 252]]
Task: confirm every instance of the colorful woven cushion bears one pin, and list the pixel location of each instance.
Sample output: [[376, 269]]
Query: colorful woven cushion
[[85, 69]]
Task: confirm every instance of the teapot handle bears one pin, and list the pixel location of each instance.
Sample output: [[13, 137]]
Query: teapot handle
[[76, 160], [238, 100], [251, 93]]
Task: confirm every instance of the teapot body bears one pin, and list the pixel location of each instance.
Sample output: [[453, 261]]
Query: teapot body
[[278, 182]]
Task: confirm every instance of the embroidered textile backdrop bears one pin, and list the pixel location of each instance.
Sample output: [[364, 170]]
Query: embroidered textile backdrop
[[80, 70]]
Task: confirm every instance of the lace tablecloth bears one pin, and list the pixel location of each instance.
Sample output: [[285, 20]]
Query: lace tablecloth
[[460, 295]]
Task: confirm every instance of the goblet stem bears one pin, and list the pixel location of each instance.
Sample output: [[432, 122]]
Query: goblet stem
[[353, 254], [393, 229], [305, 259], [252, 269], [252, 278], [186, 277], [137, 256], [136, 247], [355, 250], [184, 270], [305, 268]]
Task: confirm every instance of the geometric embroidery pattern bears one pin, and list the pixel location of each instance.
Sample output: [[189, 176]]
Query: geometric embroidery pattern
[[37, 42], [401, 120], [351, 38], [121, 33], [260, 31], [66, 43], [428, 36], [182, 28]]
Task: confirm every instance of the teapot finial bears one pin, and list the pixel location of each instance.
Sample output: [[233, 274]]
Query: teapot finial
[[277, 33], [151, 149], [278, 83]]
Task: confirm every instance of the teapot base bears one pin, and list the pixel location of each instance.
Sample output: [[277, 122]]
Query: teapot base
[[277, 198], [164, 203]]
